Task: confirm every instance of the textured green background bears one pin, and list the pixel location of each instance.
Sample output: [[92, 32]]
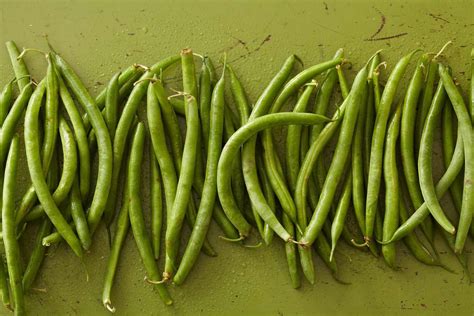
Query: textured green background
[[103, 36]]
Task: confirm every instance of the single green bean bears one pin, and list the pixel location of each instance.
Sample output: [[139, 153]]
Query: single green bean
[[121, 230], [12, 249], [81, 138], [448, 138], [37, 255], [392, 195], [291, 255], [18, 65], [112, 104], [205, 94], [424, 107], [425, 169], [341, 212], [6, 99], [232, 147], [137, 220], [4, 287], [156, 204], [293, 139], [79, 217], [11, 121], [37, 173], [104, 175], [467, 132], [186, 175], [378, 138], [356, 97]]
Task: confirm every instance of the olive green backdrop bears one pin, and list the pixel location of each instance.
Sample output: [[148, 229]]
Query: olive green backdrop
[[101, 37]]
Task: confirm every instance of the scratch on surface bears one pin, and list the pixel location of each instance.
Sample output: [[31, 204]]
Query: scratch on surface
[[373, 38], [438, 17]]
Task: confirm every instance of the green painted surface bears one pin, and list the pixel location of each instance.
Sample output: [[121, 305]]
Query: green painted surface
[[101, 37]]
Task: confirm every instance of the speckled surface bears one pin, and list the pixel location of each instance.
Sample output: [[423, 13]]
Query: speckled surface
[[101, 37]]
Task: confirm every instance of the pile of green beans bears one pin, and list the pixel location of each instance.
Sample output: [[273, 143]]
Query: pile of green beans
[[211, 159]]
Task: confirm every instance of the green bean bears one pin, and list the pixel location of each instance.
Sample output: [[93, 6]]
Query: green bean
[[392, 195], [425, 160], [190, 219], [233, 145], [376, 153], [18, 65], [293, 139], [472, 85], [121, 231], [12, 249], [104, 176], [239, 95], [186, 175], [6, 98], [156, 204], [256, 217], [443, 185], [11, 121], [448, 136], [322, 100], [205, 91], [377, 88], [37, 255], [111, 105], [341, 212], [370, 117], [336, 169], [290, 251], [412, 242], [177, 106], [267, 232], [69, 168], [125, 77], [428, 91], [136, 213], [238, 182], [467, 133], [209, 192], [79, 217], [358, 172], [81, 138], [4, 287], [407, 132], [37, 173]]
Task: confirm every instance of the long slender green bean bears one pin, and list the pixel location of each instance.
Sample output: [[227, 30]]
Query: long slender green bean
[[392, 195], [19, 65], [12, 249], [111, 105], [186, 175], [79, 217], [425, 169], [341, 212], [156, 204]]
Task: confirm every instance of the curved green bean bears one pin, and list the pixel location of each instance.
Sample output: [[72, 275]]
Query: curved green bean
[[425, 169], [19, 67], [392, 194], [12, 249], [112, 104]]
